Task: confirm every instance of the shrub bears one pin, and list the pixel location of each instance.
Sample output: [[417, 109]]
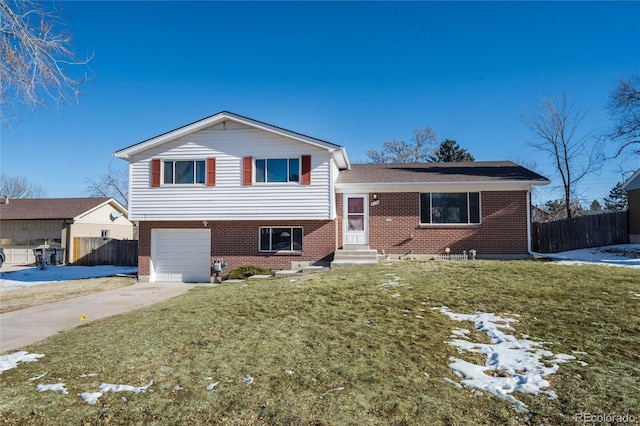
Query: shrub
[[245, 271]]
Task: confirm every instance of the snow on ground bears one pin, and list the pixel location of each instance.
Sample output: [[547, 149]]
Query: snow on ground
[[512, 364], [52, 274], [92, 397], [7, 362], [616, 255]]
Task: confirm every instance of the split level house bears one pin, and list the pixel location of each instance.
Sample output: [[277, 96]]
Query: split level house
[[234, 188]]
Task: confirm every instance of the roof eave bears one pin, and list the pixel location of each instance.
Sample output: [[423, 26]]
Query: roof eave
[[631, 179], [112, 201], [128, 152], [519, 184]]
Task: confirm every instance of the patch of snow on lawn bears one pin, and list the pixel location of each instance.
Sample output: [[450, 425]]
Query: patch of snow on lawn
[[57, 387], [616, 255], [512, 365], [92, 397], [53, 274], [7, 362]]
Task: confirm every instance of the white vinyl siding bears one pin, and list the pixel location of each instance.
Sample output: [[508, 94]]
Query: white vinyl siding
[[229, 199]]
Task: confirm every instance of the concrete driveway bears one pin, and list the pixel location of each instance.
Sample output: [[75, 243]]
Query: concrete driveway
[[31, 325]]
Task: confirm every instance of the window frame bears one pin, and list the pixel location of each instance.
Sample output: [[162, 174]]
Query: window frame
[[468, 200], [194, 172], [265, 173], [298, 230]]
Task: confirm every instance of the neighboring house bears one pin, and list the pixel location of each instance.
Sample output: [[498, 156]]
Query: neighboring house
[[540, 215], [632, 186], [233, 188], [26, 223]]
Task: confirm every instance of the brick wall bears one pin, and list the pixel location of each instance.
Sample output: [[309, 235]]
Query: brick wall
[[237, 242], [394, 226]]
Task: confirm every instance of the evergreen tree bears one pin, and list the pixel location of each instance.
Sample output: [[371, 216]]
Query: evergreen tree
[[595, 205], [450, 152], [617, 199]]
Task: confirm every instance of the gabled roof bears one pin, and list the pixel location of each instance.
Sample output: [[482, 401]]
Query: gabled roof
[[339, 152], [440, 173], [633, 182], [53, 208]]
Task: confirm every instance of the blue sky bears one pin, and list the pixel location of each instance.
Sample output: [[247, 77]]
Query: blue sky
[[352, 73]]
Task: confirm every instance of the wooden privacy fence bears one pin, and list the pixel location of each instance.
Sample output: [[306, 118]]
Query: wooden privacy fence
[[580, 232], [104, 251]]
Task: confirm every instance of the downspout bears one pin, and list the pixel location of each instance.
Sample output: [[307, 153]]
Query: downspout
[[529, 248]]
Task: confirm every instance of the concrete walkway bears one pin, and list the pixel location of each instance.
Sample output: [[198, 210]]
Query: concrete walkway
[[31, 325]]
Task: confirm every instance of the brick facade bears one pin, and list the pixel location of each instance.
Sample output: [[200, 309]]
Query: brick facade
[[394, 226], [237, 242]]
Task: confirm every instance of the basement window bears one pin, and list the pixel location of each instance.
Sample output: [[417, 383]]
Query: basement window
[[281, 239]]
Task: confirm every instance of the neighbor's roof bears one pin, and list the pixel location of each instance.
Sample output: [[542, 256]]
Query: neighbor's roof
[[52, 208], [633, 182], [463, 172], [338, 151]]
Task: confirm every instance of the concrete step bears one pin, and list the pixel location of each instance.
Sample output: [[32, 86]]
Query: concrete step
[[354, 255], [337, 264], [349, 247], [351, 254]]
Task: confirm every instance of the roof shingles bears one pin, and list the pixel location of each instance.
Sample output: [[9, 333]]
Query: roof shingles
[[476, 171], [47, 208]]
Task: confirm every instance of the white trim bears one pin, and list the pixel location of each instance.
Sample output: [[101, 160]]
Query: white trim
[[436, 186], [111, 201], [339, 153], [345, 217]]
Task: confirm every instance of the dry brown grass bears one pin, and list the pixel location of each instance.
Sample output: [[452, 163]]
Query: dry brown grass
[[26, 297], [358, 341]]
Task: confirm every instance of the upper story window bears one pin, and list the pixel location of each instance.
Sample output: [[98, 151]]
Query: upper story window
[[450, 208], [278, 170], [184, 172]]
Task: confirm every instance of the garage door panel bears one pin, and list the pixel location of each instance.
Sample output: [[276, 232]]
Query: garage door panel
[[181, 255]]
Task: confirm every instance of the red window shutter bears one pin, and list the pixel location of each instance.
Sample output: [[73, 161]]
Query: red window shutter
[[306, 170], [155, 173], [211, 172], [247, 171]]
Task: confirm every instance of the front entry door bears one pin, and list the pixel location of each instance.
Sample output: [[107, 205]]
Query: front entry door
[[356, 219]]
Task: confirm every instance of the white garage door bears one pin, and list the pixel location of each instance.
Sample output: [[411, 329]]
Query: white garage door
[[181, 255]]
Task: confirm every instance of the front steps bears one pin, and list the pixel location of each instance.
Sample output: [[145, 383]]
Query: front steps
[[354, 255]]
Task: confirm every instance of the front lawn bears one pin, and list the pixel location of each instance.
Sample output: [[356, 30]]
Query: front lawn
[[356, 346]]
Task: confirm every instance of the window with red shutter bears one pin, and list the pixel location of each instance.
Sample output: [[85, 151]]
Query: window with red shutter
[[306, 170], [247, 171], [211, 172], [155, 173]]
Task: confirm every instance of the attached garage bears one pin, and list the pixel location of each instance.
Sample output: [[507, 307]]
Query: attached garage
[[182, 255]]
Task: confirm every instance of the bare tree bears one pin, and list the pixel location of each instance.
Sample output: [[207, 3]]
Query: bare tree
[[624, 108], [36, 60], [19, 187], [418, 150], [113, 184], [555, 127]]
